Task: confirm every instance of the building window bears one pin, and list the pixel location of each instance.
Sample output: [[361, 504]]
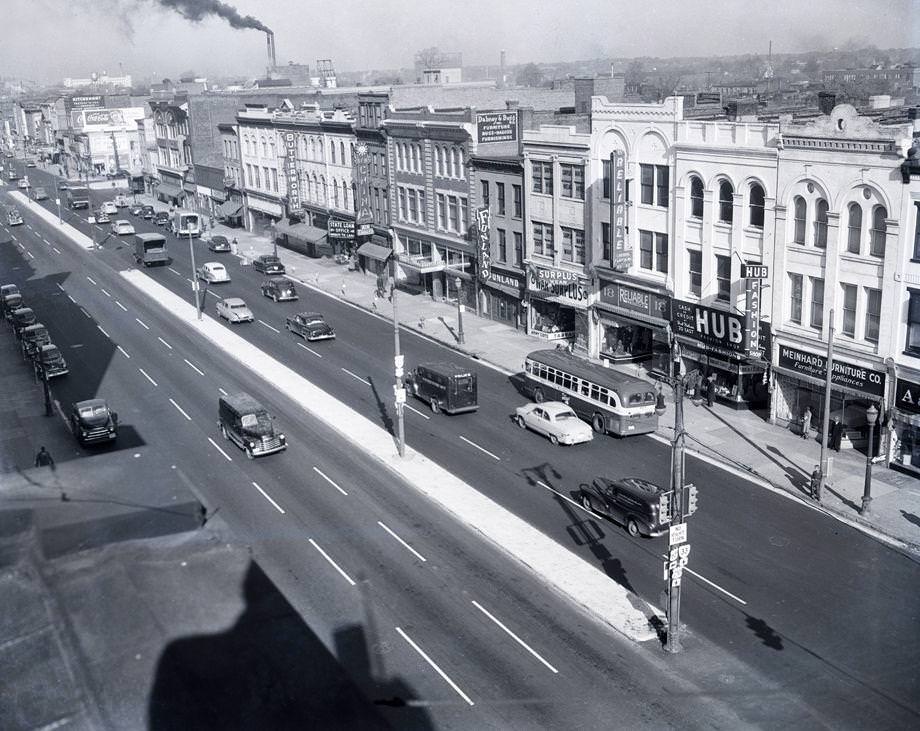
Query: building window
[[485, 193], [542, 177], [543, 240], [502, 245], [854, 227], [573, 245], [335, 191], [605, 241], [500, 188], [913, 324], [696, 197], [662, 185], [724, 278], [877, 234], [573, 181], [661, 252], [442, 211], [757, 205], [849, 310], [605, 165], [453, 169], [342, 153], [800, 210], [517, 201], [518, 248], [873, 313], [696, 272], [821, 223], [453, 213], [726, 201], [647, 184], [795, 290], [646, 253], [916, 231], [817, 302]]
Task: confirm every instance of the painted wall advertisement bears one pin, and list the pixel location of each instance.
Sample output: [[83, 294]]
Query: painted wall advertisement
[[559, 285], [497, 127], [484, 234], [290, 171], [620, 254], [846, 375], [86, 101], [362, 174]]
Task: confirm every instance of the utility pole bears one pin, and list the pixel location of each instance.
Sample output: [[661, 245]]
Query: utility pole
[[825, 421], [46, 387], [399, 389], [672, 644], [195, 283]]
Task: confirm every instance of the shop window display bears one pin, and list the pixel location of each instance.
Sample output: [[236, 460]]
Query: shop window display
[[626, 342]]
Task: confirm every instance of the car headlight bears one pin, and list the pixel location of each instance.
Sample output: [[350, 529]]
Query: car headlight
[[252, 445], [281, 438]]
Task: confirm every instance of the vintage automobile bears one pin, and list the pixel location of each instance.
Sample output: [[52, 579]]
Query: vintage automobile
[[234, 309], [13, 218], [109, 208], [50, 358], [247, 423], [21, 318], [121, 227], [445, 386], [23, 183], [93, 421], [279, 289], [554, 420], [11, 302], [32, 338], [101, 216], [218, 244], [213, 272], [147, 212], [268, 264], [632, 502], [136, 210], [121, 201], [39, 194], [6, 289], [310, 326], [160, 218]]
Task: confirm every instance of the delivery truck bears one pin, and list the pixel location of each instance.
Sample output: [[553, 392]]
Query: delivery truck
[[150, 249]]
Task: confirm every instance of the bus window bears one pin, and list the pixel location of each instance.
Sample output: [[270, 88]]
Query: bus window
[[585, 388], [567, 381], [595, 392]]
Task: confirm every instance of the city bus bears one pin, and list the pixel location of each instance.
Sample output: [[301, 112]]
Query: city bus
[[186, 223], [613, 402]]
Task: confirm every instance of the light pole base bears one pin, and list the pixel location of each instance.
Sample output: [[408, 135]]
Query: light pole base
[[866, 502]]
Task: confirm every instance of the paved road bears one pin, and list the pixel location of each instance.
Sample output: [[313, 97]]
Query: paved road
[[826, 614]]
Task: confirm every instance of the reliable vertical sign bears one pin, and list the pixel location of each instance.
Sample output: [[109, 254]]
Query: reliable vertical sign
[[290, 171], [484, 232], [621, 255]]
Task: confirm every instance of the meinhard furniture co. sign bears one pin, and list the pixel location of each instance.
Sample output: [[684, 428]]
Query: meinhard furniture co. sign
[[845, 375]]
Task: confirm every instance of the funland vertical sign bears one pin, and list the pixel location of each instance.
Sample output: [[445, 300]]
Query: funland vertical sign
[[484, 233]]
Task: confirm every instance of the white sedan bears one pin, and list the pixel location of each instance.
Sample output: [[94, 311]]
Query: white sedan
[[555, 420], [233, 309], [122, 227], [109, 208], [213, 272]]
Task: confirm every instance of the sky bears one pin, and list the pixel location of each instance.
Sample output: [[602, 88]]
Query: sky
[[46, 40]]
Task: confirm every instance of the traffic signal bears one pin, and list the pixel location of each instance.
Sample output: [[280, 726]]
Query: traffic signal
[[664, 505], [691, 500]]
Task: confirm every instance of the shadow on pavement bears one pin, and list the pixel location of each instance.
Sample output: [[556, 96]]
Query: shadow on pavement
[[270, 671], [911, 518], [764, 632], [385, 417]]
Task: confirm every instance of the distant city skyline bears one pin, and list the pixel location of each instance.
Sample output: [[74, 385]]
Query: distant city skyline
[[46, 40]]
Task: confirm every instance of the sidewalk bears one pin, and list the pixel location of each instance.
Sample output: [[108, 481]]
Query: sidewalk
[[742, 440]]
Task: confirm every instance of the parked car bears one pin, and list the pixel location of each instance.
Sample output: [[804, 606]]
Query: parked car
[[32, 338], [52, 360], [121, 227], [268, 264], [310, 326], [93, 421], [10, 303], [445, 386], [218, 244], [555, 420], [213, 272], [147, 213], [136, 210], [632, 502], [30, 164], [121, 201], [7, 289], [21, 318], [39, 194], [101, 216], [234, 309], [13, 218], [160, 218], [279, 289], [109, 208], [247, 423], [62, 186], [23, 183]]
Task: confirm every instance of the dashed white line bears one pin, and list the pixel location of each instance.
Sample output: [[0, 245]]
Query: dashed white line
[[56, 250], [58, 284], [222, 392], [103, 331], [420, 413], [217, 447], [46, 241], [71, 299], [269, 326], [142, 324], [93, 281], [513, 636], [180, 409], [164, 342], [147, 376], [193, 367], [268, 497], [409, 548], [564, 497], [355, 375], [104, 292], [30, 255], [188, 280], [322, 474], [431, 662], [333, 563], [212, 293], [123, 352], [174, 271], [121, 305], [715, 586], [485, 451], [86, 313]]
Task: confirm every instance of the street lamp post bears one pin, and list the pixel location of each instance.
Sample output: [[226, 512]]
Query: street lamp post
[[42, 374], [459, 283], [57, 188], [871, 418], [399, 389], [195, 284]]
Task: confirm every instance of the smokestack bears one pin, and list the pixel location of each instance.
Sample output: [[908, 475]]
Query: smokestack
[[270, 45], [501, 71]]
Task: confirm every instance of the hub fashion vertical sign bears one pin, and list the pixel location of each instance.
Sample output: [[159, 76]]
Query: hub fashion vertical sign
[[484, 231], [290, 171]]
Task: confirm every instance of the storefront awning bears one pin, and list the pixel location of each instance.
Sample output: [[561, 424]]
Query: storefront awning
[[300, 231], [622, 312], [516, 292], [374, 251], [422, 264], [820, 384], [169, 190], [230, 209]]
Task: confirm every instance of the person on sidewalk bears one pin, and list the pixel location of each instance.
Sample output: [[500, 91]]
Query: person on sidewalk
[[374, 304], [44, 458], [806, 423], [815, 481], [711, 390], [343, 287], [234, 246]]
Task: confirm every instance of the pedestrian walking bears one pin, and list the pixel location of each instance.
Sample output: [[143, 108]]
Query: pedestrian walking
[[374, 304], [202, 515], [234, 246], [806, 423], [710, 389], [815, 482], [343, 287], [44, 458]]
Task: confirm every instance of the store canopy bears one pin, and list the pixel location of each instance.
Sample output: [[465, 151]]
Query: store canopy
[[301, 231], [374, 251], [169, 190], [230, 209]]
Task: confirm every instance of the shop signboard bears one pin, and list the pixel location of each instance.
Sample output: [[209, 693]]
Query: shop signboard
[[717, 329], [364, 215], [638, 300], [497, 127], [845, 375], [484, 237], [292, 179], [103, 117], [341, 229], [752, 316], [87, 101], [907, 396], [559, 285], [620, 254], [507, 280]]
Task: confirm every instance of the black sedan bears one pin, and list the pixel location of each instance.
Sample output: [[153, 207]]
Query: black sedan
[[218, 244], [148, 213], [136, 210], [279, 289], [310, 326], [161, 218], [268, 264]]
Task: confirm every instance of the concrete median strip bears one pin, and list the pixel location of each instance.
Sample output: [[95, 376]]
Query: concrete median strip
[[563, 571], [52, 220]]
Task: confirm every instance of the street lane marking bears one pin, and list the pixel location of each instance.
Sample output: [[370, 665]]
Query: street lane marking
[[59, 286], [354, 375], [194, 367], [103, 332], [123, 352], [565, 497], [121, 305], [310, 349], [409, 548], [420, 413], [29, 253], [188, 280], [438, 670], [212, 293], [46, 241], [145, 374], [93, 281], [513, 636], [180, 409], [322, 474], [268, 497], [333, 563], [104, 292], [174, 271], [486, 451], [713, 585], [269, 326], [222, 392], [142, 324], [164, 342], [229, 458], [56, 249], [85, 312]]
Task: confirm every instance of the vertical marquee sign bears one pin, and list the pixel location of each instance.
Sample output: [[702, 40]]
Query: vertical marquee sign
[[290, 171], [621, 255], [364, 217], [484, 230], [752, 275]]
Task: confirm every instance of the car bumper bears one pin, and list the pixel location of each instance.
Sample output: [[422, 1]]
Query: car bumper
[[313, 338], [287, 297], [576, 439]]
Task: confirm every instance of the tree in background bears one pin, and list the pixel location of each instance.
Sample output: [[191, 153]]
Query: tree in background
[[427, 58], [529, 75]]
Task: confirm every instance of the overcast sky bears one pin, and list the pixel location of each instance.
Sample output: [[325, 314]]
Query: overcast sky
[[46, 40]]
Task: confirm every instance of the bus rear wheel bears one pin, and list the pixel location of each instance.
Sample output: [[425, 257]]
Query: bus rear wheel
[[597, 423], [538, 395]]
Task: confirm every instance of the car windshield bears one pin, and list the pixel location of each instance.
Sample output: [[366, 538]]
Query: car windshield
[[240, 306], [87, 412]]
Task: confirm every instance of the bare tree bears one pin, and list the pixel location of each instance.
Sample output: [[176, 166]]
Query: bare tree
[[529, 75], [427, 58]]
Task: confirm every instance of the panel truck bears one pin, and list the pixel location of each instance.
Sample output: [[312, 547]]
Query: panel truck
[[150, 249], [185, 224], [77, 196]]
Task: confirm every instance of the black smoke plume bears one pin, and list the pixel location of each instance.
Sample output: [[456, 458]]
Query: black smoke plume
[[199, 9]]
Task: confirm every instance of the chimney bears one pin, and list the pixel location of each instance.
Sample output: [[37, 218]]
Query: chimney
[[270, 45], [501, 70], [827, 100]]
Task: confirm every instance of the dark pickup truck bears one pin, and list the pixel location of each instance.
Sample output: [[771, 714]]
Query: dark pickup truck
[[93, 421]]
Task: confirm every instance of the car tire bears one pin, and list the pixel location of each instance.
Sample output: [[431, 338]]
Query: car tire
[[632, 527], [520, 422], [435, 406], [249, 454], [275, 298], [554, 440], [538, 395], [598, 425], [586, 503]]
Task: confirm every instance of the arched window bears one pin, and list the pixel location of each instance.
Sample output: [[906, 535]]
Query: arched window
[[309, 188], [800, 210], [726, 201], [335, 191], [438, 169], [342, 152], [452, 172], [877, 233], [854, 227], [756, 205], [271, 145], [264, 147], [460, 169], [821, 223], [325, 189], [332, 152], [316, 190], [417, 158], [696, 197]]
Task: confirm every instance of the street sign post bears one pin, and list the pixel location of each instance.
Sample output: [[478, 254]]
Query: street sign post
[[677, 534]]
